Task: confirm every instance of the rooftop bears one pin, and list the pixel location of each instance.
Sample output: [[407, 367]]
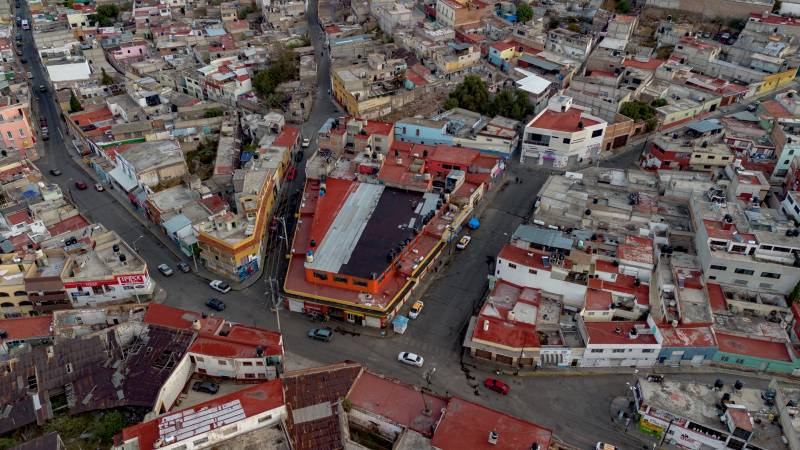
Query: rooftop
[[757, 348], [467, 425], [148, 155], [200, 419], [401, 403], [619, 333], [26, 328], [167, 316], [570, 121]]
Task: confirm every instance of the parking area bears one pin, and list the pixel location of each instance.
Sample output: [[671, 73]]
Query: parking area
[[191, 397]]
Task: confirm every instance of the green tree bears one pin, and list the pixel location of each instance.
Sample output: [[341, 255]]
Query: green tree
[[8, 443], [659, 102], [112, 423], [524, 12], [509, 103], [106, 15], [105, 79], [213, 112], [638, 111], [285, 68], [471, 94], [74, 103], [623, 6]]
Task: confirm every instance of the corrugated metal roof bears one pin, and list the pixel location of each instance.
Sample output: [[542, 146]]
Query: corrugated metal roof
[[542, 236]]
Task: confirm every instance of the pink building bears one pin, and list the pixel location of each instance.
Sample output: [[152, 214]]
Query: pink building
[[16, 129]]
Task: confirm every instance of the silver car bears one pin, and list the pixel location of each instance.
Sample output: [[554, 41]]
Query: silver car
[[411, 359]]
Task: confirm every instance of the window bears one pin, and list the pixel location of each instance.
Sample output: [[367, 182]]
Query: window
[[739, 361], [265, 418], [774, 276], [247, 363], [200, 441], [712, 277], [532, 271], [10, 134], [597, 350], [740, 282], [230, 430], [417, 131], [618, 350], [21, 133], [715, 267], [712, 157], [513, 266], [765, 285], [259, 363], [222, 362], [597, 133], [249, 375], [743, 271], [567, 140], [647, 350], [724, 358], [340, 279], [360, 283], [320, 276], [199, 358]]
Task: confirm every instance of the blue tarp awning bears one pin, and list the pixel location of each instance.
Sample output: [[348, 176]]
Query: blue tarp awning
[[474, 223], [245, 156]]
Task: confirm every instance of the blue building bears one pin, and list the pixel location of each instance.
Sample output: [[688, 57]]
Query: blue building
[[682, 344], [422, 131]]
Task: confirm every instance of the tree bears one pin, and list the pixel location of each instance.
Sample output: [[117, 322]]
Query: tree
[[105, 79], [112, 423], [513, 104], [524, 12], [285, 68], [471, 94], [638, 111], [106, 15], [659, 102], [623, 6], [213, 112], [74, 103], [776, 7]]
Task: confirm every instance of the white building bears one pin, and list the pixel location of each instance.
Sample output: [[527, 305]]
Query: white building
[[68, 69], [535, 270], [618, 344], [791, 205], [563, 132]]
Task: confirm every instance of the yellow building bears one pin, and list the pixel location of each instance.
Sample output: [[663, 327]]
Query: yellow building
[[776, 80], [710, 157], [230, 244], [13, 297]]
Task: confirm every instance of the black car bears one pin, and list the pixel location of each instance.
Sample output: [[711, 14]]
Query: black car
[[298, 156], [216, 304], [205, 386], [184, 267], [55, 172]]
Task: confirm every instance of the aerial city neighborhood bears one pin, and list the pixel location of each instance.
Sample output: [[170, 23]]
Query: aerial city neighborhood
[[400, 224]]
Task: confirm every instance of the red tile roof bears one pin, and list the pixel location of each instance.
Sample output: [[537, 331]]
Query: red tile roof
[[288, 137], [18, 217], [453, 155], [527, 258], [230, 347], [254, 400], [684, 336], [650, 64], [27, 327], [415, 78], [636, 249], [775, 19], [716, 298], [214, 204], [167, 316], [379, 128], [757, 348], [602, 265], [623, 284], [502, 46], [73, 223], [466, 425], [566, 121], [89, 117], [597, 300], [601, 333], [499, 331], [776, 110], [399, 402]]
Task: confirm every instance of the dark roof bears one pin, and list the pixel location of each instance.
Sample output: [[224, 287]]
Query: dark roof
[[383, 232], [312, 387], [49, 441]]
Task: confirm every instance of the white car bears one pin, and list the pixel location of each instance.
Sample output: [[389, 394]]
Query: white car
[[220, 286], [306, 142], [410, 359], [603, 446], [165, 270], [463, 242]]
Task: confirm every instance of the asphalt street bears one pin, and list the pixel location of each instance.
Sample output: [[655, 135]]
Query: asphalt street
[[576, 408]]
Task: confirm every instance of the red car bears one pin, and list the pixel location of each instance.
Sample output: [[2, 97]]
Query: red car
[[80, 185], [497, 386], [292, 174]]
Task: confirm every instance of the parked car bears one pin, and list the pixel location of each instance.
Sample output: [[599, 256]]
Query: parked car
[[215, 304], [42, 88], [298, 157], [411, 359], [30, 75], [463, 242], [205, 386], [306, 143], [292, 174], [496, 385], [653, 378], [19, 52], [320, 334], [45, 135], [99, 187], [184, 267], [81, 185], [220, 286], [55, 172], [416, 308], [165, 270]]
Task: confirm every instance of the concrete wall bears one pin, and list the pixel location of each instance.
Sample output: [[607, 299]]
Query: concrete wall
[[174, 385], [573, 294], [714, 8]]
